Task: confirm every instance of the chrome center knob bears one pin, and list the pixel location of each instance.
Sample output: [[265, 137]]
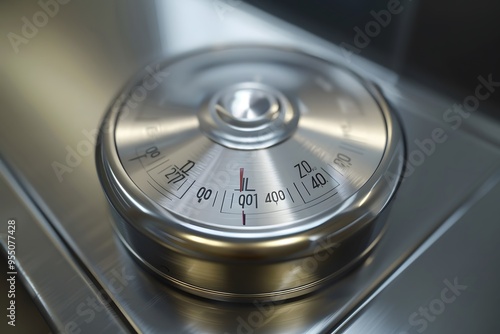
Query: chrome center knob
[[247, 107], [249, 116]]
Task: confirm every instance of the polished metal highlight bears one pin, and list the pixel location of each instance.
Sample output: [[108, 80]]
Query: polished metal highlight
[[250, 173], [248, 116]]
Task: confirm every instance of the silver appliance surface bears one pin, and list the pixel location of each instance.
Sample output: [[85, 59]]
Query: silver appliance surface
[[55, 88]]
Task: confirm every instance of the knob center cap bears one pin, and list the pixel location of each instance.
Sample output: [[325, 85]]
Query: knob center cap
[[248, 116], [247, 107]]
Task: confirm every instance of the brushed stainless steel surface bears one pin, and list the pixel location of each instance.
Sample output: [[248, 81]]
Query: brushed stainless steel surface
[[70, 301], [343, 144], [445, 282], [58, 86]]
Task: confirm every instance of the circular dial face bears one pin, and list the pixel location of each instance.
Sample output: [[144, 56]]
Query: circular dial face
[[242, 139]]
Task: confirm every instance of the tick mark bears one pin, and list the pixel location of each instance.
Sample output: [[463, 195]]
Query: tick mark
[[242, 171]]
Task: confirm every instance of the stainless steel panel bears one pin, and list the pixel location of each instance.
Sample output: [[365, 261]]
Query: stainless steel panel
[[451, 286], [56, 89], [52, 276]]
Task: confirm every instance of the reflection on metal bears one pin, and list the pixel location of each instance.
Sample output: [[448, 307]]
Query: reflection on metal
[[54, 95]]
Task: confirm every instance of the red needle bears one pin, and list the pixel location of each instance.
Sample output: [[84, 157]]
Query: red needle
[[242, 170]]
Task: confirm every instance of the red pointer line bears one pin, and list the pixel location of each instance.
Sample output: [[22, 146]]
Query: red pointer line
[[244, 217], [242, 170]]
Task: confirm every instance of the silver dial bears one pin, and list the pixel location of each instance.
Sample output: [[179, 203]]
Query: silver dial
[[244, 161]]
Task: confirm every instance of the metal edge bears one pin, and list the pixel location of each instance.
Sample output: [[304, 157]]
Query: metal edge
[[62, 261]]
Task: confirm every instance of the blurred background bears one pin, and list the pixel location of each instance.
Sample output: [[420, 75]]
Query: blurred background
[[443, 45]]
